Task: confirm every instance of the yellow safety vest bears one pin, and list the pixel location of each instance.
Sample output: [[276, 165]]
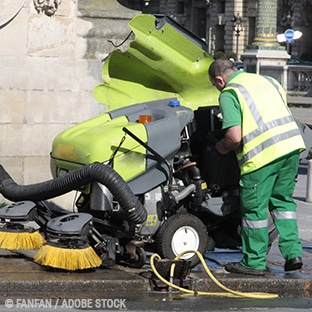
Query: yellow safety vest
[[269, 130]]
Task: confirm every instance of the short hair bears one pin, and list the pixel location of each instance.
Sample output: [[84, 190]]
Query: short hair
[[220, 67]]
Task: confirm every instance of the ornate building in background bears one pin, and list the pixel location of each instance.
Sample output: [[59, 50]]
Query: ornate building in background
[[214, 21]]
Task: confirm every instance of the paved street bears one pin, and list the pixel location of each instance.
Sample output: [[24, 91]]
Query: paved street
[[304, 208]]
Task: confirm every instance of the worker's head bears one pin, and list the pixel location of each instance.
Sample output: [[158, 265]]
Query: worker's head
[[220, 71]]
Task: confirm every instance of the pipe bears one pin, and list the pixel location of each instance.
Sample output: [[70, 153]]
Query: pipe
[[95, 172], [185, 192], [309, 177]]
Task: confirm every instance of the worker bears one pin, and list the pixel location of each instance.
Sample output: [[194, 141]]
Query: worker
[[261, 130]]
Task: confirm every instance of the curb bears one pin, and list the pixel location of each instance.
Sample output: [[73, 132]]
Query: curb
[[21, 277]]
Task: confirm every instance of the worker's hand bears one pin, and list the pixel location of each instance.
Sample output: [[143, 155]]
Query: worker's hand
[[212, 149], [220, 148]]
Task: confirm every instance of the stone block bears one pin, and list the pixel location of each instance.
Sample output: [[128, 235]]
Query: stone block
[[12, 106], [14, 167], [21, 140], [36, 139], [45, 74], [93, 108], [60, 107], [36, 169], [11, 140], [104, 34], [82, 28], [13, 73], [111, 10], [88, 74], [51, 36], [45, 107]]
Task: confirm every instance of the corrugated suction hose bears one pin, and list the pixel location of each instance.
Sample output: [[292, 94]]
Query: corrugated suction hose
[[95, 172]]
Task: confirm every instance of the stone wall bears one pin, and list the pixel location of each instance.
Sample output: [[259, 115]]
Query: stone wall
[[50, 60]]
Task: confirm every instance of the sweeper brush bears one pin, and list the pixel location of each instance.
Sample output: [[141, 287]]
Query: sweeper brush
[[67, 244], [68, 258], [18, 229], [16, 239]]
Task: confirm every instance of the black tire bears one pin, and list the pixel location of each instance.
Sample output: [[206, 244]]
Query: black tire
[[188, 230]]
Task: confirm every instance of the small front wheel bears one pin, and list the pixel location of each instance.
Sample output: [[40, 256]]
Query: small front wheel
[[140, 259], [179, 233]]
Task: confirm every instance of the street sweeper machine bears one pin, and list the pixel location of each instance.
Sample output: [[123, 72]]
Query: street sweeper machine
[[147, 176]]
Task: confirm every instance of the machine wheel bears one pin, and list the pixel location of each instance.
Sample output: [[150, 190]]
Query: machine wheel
[[140, 261], [179, 233]]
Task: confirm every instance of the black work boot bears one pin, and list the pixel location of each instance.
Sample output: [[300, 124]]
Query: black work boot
[[293, 264], [238, 268]]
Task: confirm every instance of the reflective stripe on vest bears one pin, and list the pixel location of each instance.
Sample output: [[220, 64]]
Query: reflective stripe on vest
[[256, 150], [279, 215], [262, 126], [255, 224]]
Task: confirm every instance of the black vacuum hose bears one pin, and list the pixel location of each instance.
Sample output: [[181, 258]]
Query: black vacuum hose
[[95, 172]]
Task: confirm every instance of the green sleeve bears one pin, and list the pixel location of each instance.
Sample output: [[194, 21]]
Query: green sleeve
[[230, 109]]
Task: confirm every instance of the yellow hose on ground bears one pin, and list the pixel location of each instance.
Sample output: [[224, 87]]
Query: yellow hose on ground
[[228, 292]]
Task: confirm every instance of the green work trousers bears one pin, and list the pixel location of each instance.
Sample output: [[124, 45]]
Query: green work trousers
[[269, 188]]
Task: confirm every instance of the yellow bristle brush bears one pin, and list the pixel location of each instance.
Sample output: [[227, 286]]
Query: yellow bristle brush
[[18, 227], [67, 244], [71, 259], [11, 239]]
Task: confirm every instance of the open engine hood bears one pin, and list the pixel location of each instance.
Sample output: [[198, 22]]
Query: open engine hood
[[164, 60]]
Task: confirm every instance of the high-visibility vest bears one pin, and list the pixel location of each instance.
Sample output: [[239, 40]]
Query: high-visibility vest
[[269, 130]]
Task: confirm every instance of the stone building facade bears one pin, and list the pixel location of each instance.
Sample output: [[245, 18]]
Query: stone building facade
[[50, 60]]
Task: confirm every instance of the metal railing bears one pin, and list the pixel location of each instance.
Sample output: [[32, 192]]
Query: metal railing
[[296, 80], [299, 78]]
